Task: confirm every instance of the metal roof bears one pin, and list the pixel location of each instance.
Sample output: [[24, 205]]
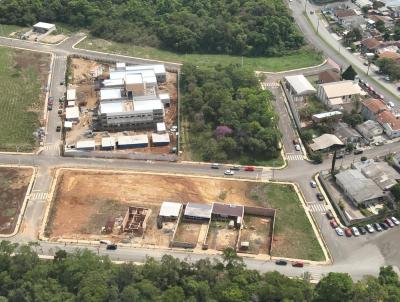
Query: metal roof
[[147, 105], [160, 138], [227, 209], [132, 139], [133, 79], [110, 94], [170, 209], [108, 141], [71, 94], [44, 25], [113, 82], [112, 107], [164, 96], [71, 113], [198, 210], [327, 114], [300, 84], [85, 144], [325, 141], [161, 127], [341, 88]]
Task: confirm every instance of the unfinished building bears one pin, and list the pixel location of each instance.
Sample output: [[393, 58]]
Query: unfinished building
[[135, 220]]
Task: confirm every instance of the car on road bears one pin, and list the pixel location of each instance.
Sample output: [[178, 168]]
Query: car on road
[[348, 232], [395, 220], [320, 197], [297, 147], [329, 214], [249, 168], [103, 241], [362, 230], [49, 107], [229, 172], [387, 78], [339, 231], [298, 264], [333, 223], [384, 226], [112, 246], [377, 227], [295, 141], [358, 151], [50, 100], [281, 262], [313, 184], [214, 166], [369, 228], [61, 83], [355, 231], [235, 168], [58, 128], [389, 222]]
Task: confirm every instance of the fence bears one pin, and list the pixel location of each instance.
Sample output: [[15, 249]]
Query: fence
[[292, 106]]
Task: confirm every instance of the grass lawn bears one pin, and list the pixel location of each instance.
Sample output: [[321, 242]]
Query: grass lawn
[[298, 59], [293, 235], [6, 30], [20, 100]]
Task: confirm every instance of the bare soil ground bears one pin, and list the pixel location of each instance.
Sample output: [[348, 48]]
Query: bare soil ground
[[52, 39], [13, 185], [220, 236], [188, 232], [256, 231]]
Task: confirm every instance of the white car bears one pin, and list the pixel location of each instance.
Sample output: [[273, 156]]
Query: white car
[[229, 172], [297, 147], [313, 184], [370, 229], [339, 231], [355, 231], [395, 220]]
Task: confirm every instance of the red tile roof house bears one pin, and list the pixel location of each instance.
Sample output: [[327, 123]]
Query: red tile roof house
[[390, 123], [390, 55], [372, 107], [370, 45]]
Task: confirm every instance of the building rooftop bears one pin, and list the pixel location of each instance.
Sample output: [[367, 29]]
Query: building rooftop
[[142, 106], [380, 172], [375, 105], [300, 84], [71, 94], [198, 210], [371, 43], [371, 127], [344, 131], [358, 187], [110, 94], [114, 107], [327, 114], [135, 78], [387, 117], [164, 96], [329, 76], [87, 144], [389, 55], [227, 209], [44, 25], [340, 13], [325, 141], [161, 127], [170, 209], [160, 138], [139, 139], [113, 82], [342, 88], [108, 142], [72, 113]]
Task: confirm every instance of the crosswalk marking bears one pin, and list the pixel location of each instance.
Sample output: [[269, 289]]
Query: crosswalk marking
[[51, 147], [60, 57], [290, 156], [272, 84], [317, 207], [38, 196]]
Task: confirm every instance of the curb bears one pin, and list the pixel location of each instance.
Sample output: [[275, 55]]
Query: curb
[[293, 70]]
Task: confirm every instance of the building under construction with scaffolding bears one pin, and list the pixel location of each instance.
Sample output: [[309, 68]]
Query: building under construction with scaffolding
[[135, 220]]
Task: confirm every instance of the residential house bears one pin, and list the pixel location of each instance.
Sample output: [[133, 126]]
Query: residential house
[[328, 76], [340, 95], [390, 55], [370, 45], [371, 107], [298, 87], [347, 134], [370, 130], [380, 172], [326, 142], [390, 123]]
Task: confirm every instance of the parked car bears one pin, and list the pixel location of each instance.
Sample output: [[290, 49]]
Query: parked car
[[395, 220], [369, 228], [329, 214], [58, 129], [297, 147], [62, 83], [355, 231], [105, 241], [49, 107], [298, 264], [333, 223], [362, 230], [348, 232], [377, 227], [214, 166], [295, 141], [389, 222], [313, 184], [235, 167], [229, 172], [358, 151], [50, 100], [281, 262], [111, 246], [320, 197], [339, 231], [249, 168], [384, 226]]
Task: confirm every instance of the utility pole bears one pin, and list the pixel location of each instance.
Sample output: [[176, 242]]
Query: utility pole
[[369, 64], [318, 25], [179, 114]]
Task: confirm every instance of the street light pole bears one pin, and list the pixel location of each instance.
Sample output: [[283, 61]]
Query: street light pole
[[318, 26]]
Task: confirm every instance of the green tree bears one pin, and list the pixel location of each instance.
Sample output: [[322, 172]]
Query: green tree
[[349, 73], [387, 276], [173, 294], [335, 287]]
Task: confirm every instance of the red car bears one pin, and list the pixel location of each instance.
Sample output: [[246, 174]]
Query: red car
[[348, 232], [333, 223], [298, 264], [249, 168], [50, 101], [389, 222]]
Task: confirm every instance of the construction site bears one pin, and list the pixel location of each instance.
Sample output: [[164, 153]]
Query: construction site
[[119, 109]]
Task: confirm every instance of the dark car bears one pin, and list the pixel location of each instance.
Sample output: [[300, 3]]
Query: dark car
[[329, 214], [281, 262], [358, 151], [362, 230], [348, 232], [377, 227], [384, 226], [111, 247], [49, 107], [320, 196], [298, 264], [62, 83], [58, 129]]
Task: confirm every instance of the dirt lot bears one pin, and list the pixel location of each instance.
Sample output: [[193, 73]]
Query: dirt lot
[[13, 185], [220, 236], [256, 231], [188, 232]]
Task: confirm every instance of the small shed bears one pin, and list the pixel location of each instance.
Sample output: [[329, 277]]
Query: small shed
[[161, 128], [108, 143], [170, 210], [88, 145], [165, 98], [43, 27], [198, 211], [71, 94], [71, 104], [67, 125], [160, 139], [72, 113], [133, 141]]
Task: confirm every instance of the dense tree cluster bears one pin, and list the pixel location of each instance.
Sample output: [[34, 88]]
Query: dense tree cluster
[[244, 27], [389, 67], [229, 115], [83, 276]]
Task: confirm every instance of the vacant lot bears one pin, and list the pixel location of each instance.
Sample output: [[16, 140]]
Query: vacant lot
[[220, 236], [297, 59], [257, 232], [13, 186], [22, 74], [188, 232], [82, 194]]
